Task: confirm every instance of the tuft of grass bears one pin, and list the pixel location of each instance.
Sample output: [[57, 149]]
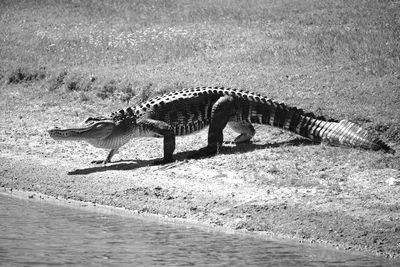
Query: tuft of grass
[[57, 81], [83, 97], [78, 82], [22, 75], [390, 131], [145, 93], [108, 89], [126, 92]]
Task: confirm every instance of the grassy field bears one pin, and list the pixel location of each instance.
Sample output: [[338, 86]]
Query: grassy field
[[62, 61], [339, 58]]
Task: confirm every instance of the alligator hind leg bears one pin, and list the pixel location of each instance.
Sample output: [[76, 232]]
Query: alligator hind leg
[[244, 128], [221, 112]]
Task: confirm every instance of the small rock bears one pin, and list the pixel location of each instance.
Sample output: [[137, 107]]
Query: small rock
[[393, 181]]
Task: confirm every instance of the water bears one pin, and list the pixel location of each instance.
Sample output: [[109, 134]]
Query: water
[[37, 233]]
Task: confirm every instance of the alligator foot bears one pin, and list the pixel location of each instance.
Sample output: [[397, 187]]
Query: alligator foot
[[104, 162], [108, 159]]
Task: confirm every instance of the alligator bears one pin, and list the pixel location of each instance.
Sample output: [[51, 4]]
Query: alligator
[[189, 110]]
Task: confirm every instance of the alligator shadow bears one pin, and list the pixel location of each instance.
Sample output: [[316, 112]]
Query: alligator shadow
[[114, 166], [249, 146], [183, 156]]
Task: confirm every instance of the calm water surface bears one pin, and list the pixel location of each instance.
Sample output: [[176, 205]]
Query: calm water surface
[[37, 233]]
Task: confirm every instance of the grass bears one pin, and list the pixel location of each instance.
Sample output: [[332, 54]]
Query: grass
[[362, 33], [339, 58]]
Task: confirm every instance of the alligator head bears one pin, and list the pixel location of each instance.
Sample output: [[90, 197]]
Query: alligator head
[[92, 130]]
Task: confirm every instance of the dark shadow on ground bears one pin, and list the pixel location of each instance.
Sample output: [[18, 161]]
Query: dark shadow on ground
[[183, 156], [249, 146], [115, 165]]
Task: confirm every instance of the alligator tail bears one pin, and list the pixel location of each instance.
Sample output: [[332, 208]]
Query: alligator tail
[[350, 134], [315, 128]]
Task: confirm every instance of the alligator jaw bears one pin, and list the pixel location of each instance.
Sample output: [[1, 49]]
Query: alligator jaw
[[97, 130]]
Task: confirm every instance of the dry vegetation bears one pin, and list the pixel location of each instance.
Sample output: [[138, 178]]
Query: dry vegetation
[[62, 61]]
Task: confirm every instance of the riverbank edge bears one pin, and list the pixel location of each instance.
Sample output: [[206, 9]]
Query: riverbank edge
[[181, 222]]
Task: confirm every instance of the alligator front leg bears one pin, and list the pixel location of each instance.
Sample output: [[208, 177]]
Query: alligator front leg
[[221, 112], [164, 129], [108, 159]]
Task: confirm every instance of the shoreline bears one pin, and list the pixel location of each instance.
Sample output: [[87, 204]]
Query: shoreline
[[176, 222], [152, 207], [134, 214]]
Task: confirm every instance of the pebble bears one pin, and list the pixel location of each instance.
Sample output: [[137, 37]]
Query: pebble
[[393, 181]]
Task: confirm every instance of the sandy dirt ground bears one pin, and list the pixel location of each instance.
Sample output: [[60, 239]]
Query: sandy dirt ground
[[278, 185]]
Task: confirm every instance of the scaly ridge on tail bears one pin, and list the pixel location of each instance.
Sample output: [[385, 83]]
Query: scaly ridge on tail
[[350, 134]]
